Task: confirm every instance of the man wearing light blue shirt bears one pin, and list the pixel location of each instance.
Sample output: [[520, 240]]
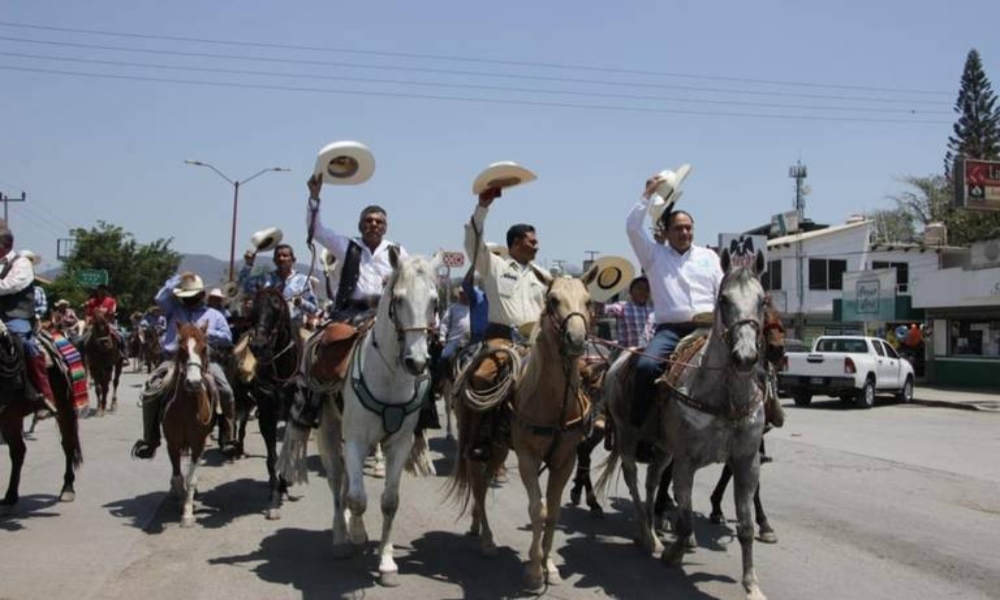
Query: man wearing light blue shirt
[[295, 287], [684, 281], [182, 300]]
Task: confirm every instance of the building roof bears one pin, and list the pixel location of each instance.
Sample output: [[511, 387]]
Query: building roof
[[808, 235]]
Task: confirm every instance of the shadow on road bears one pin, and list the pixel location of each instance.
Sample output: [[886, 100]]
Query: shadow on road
[[29, 507]]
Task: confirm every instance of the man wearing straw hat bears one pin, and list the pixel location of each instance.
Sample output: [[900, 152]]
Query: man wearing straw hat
[[294, 287], [182, 300]]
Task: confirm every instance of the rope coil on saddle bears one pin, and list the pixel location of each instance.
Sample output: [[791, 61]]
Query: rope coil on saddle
[[483, 400]]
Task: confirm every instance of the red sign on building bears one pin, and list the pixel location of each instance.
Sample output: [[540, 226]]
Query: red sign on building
[[977, 184]]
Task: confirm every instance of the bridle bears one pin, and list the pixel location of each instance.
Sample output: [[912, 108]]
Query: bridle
[[399, 328], [561, 325], [282, 327]]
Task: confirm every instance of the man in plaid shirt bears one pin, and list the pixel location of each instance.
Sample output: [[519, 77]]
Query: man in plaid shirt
[[632, 315]]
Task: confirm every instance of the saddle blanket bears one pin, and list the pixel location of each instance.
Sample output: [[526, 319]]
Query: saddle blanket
[[77, 374]]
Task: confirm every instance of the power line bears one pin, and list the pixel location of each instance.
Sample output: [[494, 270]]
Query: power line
[[592, 68], [188, 54], [795, 117], [52, 215], [462, 85]]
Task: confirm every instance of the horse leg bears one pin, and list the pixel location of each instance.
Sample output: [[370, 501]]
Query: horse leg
[[378, 470], [114, 388], [644, 537], [720, 489], [396, 449], [684, 526], [11, 428], [355, 452], [191, 485], [177, 487], [268, 423], [746, 475], [328, 438], [663, 500], [558, 478], [69, 432], [595, 438], [482, 473], [654, 480], [766, 533], [528, 466]]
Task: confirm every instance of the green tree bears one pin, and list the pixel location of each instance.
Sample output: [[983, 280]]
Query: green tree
[[135, 271], [894, 225], [977, 130], [931, 199]]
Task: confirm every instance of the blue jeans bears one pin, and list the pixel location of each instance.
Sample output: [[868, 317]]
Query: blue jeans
[[647, 369], [22, 328]]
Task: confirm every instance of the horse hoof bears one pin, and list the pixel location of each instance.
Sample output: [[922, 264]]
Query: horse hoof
[[596, 511], [574, 497], [187, 522], [767, 537], [717, 518], [388, 578], [378, 472], [67, 496], [552, 576], [673, 556], [690, 543], [342, 551], [533, 584], [273, 514]]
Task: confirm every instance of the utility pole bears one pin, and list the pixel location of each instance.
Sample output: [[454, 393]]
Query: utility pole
[[5, 199], [590, 261], [798, 172]]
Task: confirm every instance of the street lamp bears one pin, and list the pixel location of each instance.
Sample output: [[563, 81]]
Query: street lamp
[[236, 196]]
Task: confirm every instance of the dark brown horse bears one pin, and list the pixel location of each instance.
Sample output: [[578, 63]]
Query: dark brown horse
[[187, 418], [15, 406], [103, 361]]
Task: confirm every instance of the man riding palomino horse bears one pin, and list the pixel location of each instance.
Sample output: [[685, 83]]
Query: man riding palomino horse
[[17, 309], [102, 300], [365, 268], [182, 300]]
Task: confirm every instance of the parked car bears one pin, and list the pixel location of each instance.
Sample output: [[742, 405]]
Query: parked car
[[850, 367], [791, 345]]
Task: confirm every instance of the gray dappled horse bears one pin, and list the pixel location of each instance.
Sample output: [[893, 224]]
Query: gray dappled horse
[[716, 414]]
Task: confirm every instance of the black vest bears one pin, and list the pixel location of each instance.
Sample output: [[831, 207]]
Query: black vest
[[349, 275], [20, 305]]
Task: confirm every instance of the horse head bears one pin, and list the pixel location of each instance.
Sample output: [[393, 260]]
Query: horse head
[[740, 310], [567, 310], [192, 353], [269, 322], [410, 304]]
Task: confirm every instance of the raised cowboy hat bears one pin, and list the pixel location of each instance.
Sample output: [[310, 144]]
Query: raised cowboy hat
[[191, 285], [34, 258], [327, 260], [501, 175], [667, 193], [230, 289], [345, 163], [614, 274], [266, 239]]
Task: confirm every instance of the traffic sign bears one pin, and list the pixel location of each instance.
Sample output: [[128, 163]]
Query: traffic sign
[[453, 260], [92, 277], [977, 184]]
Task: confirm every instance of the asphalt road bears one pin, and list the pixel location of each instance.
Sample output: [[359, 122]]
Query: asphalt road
[[894, 502]]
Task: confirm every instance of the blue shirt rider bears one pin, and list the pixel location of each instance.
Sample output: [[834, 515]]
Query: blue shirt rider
[[295, 287]]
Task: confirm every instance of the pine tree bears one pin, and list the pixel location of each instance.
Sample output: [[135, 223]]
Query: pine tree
[[977, 131]]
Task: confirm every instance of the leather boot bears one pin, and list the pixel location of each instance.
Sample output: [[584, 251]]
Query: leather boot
[[146, 447], [305, 408], [39, 376]]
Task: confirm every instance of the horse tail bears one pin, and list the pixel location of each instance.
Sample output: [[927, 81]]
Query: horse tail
[[610, 470], [68, 421], [292, 459], [459, 488]]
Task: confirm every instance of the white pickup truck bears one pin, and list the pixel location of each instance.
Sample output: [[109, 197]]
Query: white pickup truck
[[852, 368]]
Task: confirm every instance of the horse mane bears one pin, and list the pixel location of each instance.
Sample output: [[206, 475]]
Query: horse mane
[[408, 270]]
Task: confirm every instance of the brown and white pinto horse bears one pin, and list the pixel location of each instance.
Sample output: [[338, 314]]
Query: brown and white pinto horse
[[102, 356], [15, 406]]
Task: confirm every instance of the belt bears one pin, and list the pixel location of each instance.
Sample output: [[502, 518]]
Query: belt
[[682, 328], [499, 330]]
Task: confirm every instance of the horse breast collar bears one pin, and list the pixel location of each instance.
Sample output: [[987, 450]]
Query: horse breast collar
[[392, 415]]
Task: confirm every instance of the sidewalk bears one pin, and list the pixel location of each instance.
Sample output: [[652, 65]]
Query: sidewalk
[[963, 398]]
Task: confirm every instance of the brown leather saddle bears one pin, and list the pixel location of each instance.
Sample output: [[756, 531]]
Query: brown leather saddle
[[329, 350], [684, 357]]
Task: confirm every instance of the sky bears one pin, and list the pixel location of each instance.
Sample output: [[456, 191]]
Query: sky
[[593, 97]]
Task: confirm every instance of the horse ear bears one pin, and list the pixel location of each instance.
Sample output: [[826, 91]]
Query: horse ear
[[437, 260], [725, 260], [590, 275], [758, 263], [394, 256], [542, 275]]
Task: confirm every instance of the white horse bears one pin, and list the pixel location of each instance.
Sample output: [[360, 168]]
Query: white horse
[[385, 388]]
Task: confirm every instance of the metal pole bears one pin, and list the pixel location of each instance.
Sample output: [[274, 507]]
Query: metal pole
[[232, 237]]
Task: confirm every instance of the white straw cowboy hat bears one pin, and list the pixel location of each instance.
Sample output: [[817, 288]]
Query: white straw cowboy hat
[[345, 163], [667, 193], [266, 239], [34, 258], [327, 260], [501, 175], [499, 249], [60, 303], [614, 274], [217, 293], [230, 289], [191, 285]]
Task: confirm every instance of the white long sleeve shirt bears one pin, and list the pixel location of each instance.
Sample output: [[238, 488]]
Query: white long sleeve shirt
[[19, 277], [681, 285], [515, 294], [374, 269]]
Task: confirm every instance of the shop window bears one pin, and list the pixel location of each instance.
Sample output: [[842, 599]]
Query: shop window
[[826, 274], [771, 280], [902, 273], [974, 338]]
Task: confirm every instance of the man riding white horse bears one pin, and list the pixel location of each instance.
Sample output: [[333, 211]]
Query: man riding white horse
[[182, 300], [17, 309]]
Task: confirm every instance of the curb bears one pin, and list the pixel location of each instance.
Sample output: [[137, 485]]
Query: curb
[[958, 405]]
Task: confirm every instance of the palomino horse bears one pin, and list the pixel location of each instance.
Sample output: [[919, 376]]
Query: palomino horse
[[387, 381], [103, 361], [14, 406], [549, 415], [275, 344], [187, 418], [720, 418]]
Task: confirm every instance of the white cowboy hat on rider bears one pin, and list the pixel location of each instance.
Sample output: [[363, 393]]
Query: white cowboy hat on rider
[[501, 175], [217, 293], [61, 303], [345, 163], [191, 285], [34, 258], [614, 274], [266, 239], [667, 193]]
